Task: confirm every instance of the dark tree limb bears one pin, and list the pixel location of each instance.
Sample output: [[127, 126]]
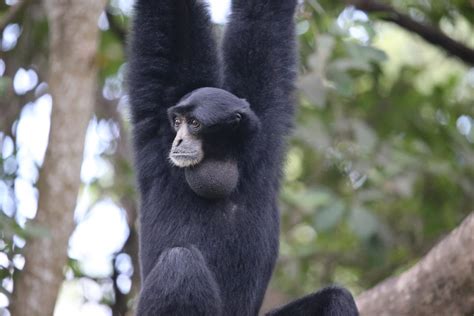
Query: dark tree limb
[[28, 51], [429, 33], [12, 14], [125, 303], [124, 188], [115, 27], [442, 283]]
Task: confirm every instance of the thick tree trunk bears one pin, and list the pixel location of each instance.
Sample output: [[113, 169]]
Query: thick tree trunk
[[442, 283], [72, 80]]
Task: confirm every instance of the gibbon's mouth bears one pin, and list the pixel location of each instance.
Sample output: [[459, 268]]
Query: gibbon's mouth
[[185, 159]]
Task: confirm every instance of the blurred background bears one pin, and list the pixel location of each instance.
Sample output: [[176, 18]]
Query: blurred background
[[380, 166]]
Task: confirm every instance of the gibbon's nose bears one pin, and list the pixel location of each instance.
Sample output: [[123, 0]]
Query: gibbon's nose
[[179, 142]]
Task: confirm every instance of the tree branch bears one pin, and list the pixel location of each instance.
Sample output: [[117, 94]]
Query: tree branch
[[429, 33], [12, 14], [124, 188], [442, 283], [115, 28]]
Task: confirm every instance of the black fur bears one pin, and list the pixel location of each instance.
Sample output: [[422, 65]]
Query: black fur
[[216, 109], [201, 256], [330, 301], [213, 179], [227, 127]]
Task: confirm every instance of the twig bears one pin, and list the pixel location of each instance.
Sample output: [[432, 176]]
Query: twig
[[12, 14], [429, 33]]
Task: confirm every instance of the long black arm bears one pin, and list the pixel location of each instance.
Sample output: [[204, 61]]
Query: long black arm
[[172, 52], [260, 60]]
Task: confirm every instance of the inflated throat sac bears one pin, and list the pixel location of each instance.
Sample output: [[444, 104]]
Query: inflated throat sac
[[213, 179]]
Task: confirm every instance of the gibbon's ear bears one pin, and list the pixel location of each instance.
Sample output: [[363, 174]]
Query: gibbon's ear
[[250, 123]]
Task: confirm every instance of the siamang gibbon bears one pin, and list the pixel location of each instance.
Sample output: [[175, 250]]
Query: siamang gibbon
[[209, 140]]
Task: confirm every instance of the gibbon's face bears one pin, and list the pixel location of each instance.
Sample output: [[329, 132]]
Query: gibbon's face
[[186, 150], [205, 115]]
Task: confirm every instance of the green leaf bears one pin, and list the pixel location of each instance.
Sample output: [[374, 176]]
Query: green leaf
[[328, 217], [363, 223]]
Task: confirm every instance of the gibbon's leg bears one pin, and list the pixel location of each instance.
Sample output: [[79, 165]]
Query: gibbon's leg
[[180, 284]]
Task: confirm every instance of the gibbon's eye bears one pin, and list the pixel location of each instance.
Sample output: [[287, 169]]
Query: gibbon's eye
[[238, 117], [177, 122], [195, 124]]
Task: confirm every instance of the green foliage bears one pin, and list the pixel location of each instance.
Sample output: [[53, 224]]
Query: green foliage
[[381, 162]]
